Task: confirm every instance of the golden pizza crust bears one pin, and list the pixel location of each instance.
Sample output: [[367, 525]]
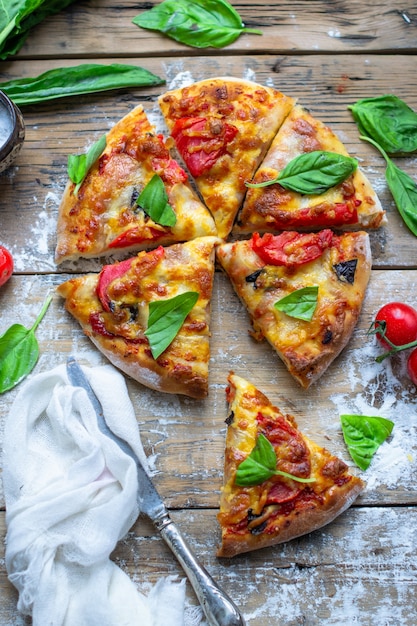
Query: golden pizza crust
[[248, 521], [104, 217], [118, 330], [254, 110], [306, 347], [273, 208]]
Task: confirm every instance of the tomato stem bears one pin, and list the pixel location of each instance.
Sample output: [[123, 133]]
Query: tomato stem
[[379, 328]]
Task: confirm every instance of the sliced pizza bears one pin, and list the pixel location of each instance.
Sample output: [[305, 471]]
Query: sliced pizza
[[134, 196], [349, 204], [149, 314], [222, 128], [278, 484], [303, 292]]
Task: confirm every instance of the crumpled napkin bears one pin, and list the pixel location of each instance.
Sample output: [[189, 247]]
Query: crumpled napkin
[[70, 496]]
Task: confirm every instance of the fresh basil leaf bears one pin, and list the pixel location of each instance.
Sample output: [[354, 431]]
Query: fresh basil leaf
[[80, 164], [154, 201], [363, 435], [389, 121], [166, 318], [196, 23], [403, 189], [261, 464], [19, 351], [17, 17], [300, 303], [313, 173], [74, 81], [404, 192]]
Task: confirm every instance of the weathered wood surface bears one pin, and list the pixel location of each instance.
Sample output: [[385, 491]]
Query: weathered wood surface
[[94, 28], [360, 569]]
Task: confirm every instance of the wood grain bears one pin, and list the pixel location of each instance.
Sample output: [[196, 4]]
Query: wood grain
[[360, 569], [102, 27]]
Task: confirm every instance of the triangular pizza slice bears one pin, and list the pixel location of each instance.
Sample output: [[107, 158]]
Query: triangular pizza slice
[[149, 315], [303, 292], [278, 484], [222, 128], [122, 202], [349, 204]]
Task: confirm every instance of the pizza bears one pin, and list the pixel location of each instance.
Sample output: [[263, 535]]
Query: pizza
[[105, 214], [350, 204], [263, 508], [222, 128], [303, 292], [115, 309]]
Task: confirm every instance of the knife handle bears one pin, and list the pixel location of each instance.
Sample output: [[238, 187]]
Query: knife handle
[[219, 609]]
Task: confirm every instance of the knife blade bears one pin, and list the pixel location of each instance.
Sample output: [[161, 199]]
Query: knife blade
[[218, 607]]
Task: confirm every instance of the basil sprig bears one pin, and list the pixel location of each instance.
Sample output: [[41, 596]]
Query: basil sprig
[[363, 435], [19, 351], [154, 201], [403, 189], [78, 80], [166, 318], [17, 17], [80, 164], [300, 304], [389, 121], [261, 464], [313, 173], [196, 23]]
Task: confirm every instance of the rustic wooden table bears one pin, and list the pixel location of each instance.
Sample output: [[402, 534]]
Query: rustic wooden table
[[360, 569]]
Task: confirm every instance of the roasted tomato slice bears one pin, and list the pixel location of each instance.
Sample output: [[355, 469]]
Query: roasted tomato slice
[[143, 264], [201, 141], [135, 236], [107, 275], [291, 248]]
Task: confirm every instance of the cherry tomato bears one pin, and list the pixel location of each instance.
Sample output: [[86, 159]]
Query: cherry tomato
[[6, 265], [401, 323], [412, 366]]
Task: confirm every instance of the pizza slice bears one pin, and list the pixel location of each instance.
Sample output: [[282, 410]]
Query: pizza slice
[[278, 484], [349, 204], [222, 128], [122, 202], [303, 292], [149, 315]]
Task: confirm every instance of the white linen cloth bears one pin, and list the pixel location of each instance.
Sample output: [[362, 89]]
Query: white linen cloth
[[70, 496]]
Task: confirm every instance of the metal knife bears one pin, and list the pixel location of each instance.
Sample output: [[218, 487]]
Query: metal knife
[[219, 609]]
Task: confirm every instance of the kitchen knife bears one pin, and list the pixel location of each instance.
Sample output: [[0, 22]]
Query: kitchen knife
[[219, 609]]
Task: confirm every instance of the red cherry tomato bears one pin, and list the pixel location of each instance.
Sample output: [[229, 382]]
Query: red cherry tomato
[[412, 366], [401, 323], [6, 265]]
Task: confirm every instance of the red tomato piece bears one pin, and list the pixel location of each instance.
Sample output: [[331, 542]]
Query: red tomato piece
[[107, 275], [201, 141], [412, 366], [6, 265], [400, 323], [291, 248], [169, 170], [135, 236]]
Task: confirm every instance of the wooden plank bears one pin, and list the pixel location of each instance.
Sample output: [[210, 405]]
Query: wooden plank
[[359, 569], [185, 437], [32, 188], [322, 26]]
